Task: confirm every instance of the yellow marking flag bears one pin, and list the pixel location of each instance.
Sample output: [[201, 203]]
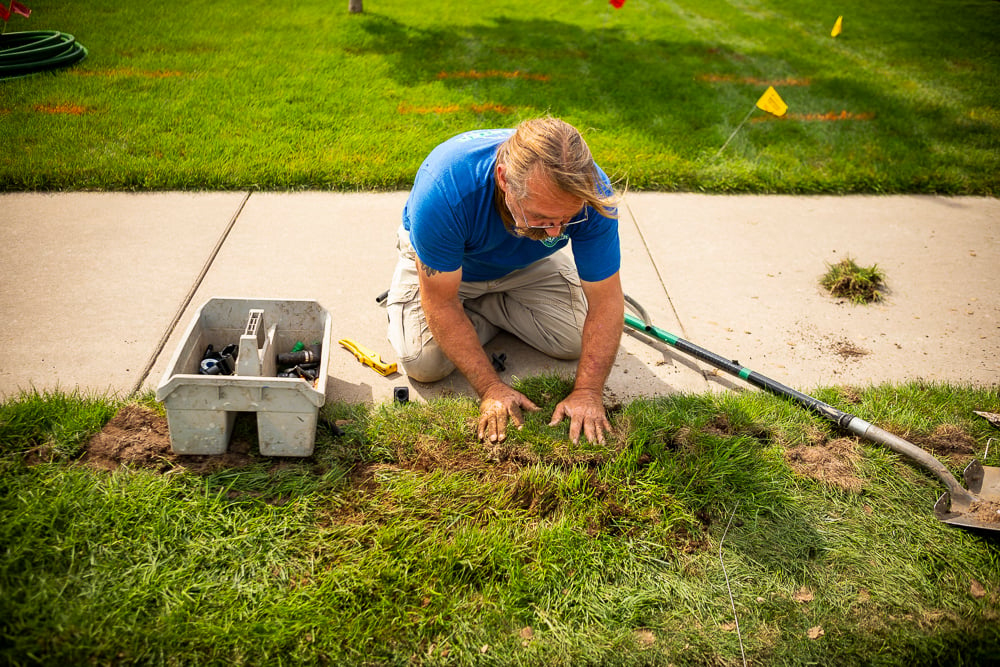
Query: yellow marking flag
[[838, 27], [772, 103]]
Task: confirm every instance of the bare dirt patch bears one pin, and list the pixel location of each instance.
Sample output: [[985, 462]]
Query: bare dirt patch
[[137, 437], [830, 462], [64, 109], [947, 440]]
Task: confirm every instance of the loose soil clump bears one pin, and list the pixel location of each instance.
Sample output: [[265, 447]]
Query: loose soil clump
[[987, 512], [846, 349]]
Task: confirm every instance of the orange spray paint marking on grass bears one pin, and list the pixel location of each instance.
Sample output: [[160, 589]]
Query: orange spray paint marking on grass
[[124, 71], [455, 108], [492, 74], [407, 109], [496, 108], [750, 80], [829, 116], [68, 109]]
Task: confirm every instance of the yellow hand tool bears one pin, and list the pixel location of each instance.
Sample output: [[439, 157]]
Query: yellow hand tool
[[368, 357]]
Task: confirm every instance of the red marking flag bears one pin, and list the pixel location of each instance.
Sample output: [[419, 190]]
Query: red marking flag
[[4, 12], [617, 4], [18, 8]]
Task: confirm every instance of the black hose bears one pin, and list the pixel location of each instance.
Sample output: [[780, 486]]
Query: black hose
[[838, 417], [31, 51], [959, 499]]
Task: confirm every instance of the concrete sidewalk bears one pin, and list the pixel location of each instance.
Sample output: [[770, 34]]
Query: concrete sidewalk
[[98, 288]]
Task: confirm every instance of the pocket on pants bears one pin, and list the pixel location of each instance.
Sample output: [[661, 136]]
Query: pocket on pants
[[407, 324], [402, 293], [571, 276]]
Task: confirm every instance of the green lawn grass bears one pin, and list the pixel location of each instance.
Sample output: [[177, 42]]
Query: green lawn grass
[[403, 541], [236, 95]]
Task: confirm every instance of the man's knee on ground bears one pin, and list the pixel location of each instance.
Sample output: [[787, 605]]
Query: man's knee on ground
[[567, 354], [565, 349], [430, 365]]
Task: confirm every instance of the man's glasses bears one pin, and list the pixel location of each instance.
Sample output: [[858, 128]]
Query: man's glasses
[[580, 217]]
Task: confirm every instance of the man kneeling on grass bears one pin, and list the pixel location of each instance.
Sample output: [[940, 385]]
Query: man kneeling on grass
[[478, 253]]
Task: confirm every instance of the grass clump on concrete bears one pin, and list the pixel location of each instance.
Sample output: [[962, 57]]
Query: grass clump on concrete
[[860, 285], [405, 541]]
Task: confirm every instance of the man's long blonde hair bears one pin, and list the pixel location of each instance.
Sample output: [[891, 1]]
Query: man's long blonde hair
[[559, 150]]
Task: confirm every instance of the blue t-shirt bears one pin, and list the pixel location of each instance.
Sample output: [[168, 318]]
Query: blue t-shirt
[[453, 221]]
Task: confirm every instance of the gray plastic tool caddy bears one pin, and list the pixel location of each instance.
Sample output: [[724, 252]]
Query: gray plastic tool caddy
[[201, 409]]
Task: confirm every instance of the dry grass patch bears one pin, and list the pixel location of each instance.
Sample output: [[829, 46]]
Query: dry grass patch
[[832, 463]]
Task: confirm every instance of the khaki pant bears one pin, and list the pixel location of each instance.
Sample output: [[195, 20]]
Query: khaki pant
[[542, 304]]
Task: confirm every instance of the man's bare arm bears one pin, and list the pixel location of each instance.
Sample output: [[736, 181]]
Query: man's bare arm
[[451, 327], [457, 338], [602, 331]]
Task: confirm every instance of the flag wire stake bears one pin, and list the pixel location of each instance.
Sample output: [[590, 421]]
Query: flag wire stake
[[739, 635], [738, 127]]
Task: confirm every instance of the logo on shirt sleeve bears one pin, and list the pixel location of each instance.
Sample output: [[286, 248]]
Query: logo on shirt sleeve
[[482, 134]]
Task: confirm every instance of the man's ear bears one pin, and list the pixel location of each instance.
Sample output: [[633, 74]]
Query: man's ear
[[502, 177]]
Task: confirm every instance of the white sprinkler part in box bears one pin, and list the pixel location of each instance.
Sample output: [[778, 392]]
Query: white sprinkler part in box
[[256, 351]]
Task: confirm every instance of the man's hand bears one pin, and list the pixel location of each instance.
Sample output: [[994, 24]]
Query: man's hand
[[585, 410], [499, 404], [457, 337]]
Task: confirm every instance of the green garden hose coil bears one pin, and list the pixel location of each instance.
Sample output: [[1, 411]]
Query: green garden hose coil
[[31, 51]]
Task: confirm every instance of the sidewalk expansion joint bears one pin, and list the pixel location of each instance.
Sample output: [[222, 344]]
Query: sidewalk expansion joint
[[188, 297], [659, 276]]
